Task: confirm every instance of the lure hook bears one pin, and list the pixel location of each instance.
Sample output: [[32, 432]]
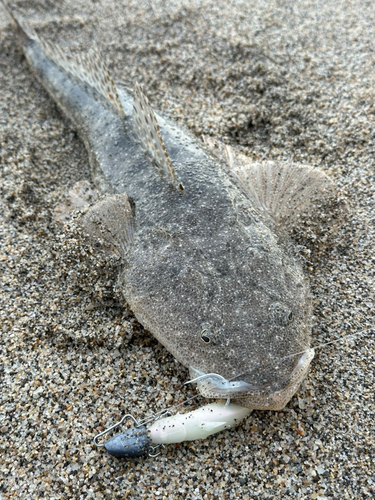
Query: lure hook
[[114, 426], [134, 442], [152, 450]]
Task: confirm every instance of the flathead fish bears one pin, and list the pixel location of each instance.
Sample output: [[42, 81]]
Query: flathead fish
[[209, 268]]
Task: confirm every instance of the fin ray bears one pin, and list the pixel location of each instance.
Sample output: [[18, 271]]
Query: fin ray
[[89, 68], [284, 190], [148, 132], [111, 220]]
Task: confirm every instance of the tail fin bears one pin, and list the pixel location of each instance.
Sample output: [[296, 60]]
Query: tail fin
[[24, 31], [90, 68]]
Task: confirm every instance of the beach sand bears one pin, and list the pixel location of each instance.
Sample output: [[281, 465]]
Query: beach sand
[[276, 80]]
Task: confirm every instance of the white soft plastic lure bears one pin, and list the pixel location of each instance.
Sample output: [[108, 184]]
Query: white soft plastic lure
[[198, 424]]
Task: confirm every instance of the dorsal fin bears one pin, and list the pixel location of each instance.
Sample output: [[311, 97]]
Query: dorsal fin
[[90, 68], [284, 190], [148, 131]]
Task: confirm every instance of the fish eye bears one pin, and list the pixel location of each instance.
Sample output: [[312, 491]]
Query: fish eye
[[281, 314], [206, 339]]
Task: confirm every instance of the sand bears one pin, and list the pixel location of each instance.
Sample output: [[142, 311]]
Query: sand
[[276, 80]]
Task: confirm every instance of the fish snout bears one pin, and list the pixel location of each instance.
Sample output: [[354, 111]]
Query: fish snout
[[213, 385]]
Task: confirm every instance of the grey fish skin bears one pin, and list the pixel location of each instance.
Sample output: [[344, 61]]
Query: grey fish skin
[[211, 275]]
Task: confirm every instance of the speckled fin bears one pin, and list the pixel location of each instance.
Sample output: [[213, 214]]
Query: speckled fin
[[111, 221], [284, 190], [148, 132], [90, 67]]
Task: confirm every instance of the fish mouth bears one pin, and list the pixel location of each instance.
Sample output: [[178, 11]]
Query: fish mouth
[[213, 382], [213, 385]]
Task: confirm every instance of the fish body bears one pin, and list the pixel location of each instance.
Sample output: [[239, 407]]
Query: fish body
[[209, 268]]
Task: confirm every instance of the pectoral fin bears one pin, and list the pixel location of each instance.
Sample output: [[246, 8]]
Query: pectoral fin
[[80, 196], [284, 190], [111, 221]]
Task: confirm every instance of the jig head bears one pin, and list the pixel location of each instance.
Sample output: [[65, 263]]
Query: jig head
[[132, 443]]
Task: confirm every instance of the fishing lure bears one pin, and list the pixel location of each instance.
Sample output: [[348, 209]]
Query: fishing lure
[[163, 428], [198, 424]]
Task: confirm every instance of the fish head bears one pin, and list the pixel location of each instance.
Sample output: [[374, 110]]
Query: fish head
[[262, 361], [257, 354], [251, 396], [238, 310]]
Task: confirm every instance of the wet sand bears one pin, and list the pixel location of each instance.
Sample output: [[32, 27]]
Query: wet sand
[[274, 79]]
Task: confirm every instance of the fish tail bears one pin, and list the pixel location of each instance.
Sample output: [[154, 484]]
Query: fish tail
[[24, 31], [89, 68]]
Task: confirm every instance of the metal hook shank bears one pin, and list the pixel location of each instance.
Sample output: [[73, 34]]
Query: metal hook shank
[[95, 440]]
